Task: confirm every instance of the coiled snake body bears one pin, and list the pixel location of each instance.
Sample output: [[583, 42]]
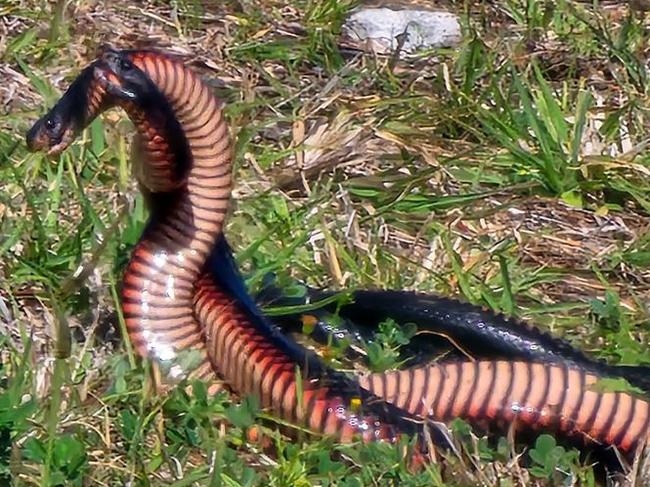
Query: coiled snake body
[[172, 301]]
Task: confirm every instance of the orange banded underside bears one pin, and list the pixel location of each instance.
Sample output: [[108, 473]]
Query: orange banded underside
[[254, 366], [160, 279], [532, 395]]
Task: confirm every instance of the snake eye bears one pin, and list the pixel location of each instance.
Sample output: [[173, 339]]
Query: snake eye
[[125, 65], [50, 124]]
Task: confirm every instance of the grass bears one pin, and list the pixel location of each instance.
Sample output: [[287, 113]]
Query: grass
[[512, 172]]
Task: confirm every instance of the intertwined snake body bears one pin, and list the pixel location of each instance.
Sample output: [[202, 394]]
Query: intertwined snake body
[[172, 301]]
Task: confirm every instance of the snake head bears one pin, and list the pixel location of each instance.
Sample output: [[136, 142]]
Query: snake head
[[57, 129], [51, 133], [120, 77], [113, 85]]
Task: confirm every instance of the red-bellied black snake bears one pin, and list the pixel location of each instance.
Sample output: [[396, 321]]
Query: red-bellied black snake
[[172, 303]]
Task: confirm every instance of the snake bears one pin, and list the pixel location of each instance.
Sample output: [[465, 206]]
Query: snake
[[179, 294], [477, 331]]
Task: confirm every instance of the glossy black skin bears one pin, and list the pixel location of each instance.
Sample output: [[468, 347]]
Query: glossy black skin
[[479, 332]]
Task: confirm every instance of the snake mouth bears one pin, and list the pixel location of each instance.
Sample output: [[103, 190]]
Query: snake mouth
[[112, 83], [38, 139], [61, 143], [36, 142]]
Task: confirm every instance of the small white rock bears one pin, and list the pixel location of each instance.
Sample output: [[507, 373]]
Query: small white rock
[[380, 27]]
